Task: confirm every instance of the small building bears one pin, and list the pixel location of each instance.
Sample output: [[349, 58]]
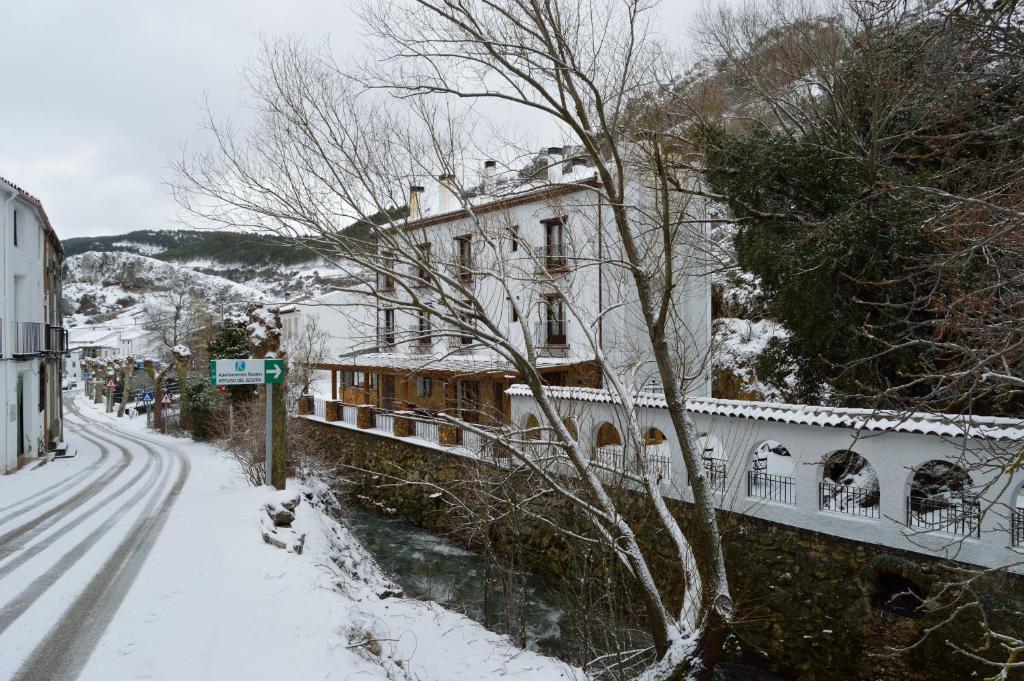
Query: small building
[[32, 338]]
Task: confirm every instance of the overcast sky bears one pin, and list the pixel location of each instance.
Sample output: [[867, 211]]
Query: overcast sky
[[97, 95]]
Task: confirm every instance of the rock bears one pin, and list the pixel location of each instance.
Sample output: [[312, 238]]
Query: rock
[[281, 516]]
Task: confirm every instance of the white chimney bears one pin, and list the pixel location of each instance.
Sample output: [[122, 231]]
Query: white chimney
[[415, 202], [554, 155], [490, 175], [445, 193]]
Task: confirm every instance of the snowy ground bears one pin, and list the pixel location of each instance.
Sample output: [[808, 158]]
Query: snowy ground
[[107, 573]]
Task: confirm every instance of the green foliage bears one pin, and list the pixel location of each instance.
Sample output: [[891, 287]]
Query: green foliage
[[200, 400], [821, 233], [229, 342]]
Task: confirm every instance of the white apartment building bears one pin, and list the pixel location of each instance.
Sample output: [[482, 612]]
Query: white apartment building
[[32, 340], [543, 258]]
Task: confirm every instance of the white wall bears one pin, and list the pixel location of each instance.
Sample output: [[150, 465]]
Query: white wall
[[894, 456]]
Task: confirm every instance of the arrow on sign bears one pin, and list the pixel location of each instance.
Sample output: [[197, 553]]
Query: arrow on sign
[[273, 370]]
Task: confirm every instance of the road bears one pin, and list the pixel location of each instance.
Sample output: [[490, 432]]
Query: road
[[73, 541]]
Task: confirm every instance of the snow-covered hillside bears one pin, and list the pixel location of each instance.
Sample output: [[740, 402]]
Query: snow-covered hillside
[[101, 286]]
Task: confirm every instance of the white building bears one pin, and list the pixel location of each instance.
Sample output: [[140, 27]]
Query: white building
[[32, 339], [543, 258]]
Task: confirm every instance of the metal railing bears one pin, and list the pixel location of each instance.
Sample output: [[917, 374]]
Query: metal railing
[[471, 441], [28, 338], [427, 430], [771, 487], [848, 500], [349, 414], [961, 517], [716, 472], [544, 344], [56, 339], [320, 407], [384, 421], [615, 458], [1017, 527]]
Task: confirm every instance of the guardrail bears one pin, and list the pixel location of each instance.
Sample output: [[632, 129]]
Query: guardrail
[[384, 421], [56, 339], [427, 430], [350, 413], [771, 487], [848, 500], [961, 517], [320, 407]]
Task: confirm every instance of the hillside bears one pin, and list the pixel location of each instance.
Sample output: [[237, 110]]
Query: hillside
[[229, 248]]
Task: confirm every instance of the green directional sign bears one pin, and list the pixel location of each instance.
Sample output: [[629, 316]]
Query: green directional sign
[[246, 371]]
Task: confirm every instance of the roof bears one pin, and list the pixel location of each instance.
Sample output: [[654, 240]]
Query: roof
[[38, 206], [449, 363], [944, 425], [516, 195]]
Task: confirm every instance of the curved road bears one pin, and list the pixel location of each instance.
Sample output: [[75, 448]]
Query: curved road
[[70, 551]]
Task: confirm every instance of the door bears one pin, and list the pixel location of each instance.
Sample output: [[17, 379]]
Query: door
[[20, 392], [387, 391]]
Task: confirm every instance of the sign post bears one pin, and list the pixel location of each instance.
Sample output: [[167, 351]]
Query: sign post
[[147, 401], [269, 372]]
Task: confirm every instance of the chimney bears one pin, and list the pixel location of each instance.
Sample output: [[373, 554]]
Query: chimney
[[490, 175], [554, 155], [446, 192], [415, 202]]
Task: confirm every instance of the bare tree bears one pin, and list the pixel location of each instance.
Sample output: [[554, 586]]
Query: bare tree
[[327, 150]]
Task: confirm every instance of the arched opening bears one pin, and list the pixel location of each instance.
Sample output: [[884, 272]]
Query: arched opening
[[898, 595], [570, 425], [657, 455], [941, 500], [608, 450], [532, 427], [771, 473], [849, 485], [608, 435], [713, 456]]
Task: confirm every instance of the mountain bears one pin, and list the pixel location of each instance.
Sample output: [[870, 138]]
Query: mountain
[[224, 248]]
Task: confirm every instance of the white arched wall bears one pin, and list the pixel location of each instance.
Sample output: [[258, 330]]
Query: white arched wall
[[893, 455]]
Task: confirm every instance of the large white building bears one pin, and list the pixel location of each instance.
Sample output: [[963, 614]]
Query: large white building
[[32, 340], [542, 258]]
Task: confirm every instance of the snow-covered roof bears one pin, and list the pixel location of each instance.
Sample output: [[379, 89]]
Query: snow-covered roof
[[943, 425], [86, 337], [464, 364]]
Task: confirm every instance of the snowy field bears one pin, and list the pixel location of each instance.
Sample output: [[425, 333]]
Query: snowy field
[[210, 599]]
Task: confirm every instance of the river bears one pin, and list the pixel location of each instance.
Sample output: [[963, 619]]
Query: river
[[430, 567]]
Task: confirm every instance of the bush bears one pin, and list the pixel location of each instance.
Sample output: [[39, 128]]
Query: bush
[[201, 400]]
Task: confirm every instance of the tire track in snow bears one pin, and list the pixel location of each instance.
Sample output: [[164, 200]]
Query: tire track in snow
[[12, 610], [25, 554], [64, 651], [10, 541], [34, 499]]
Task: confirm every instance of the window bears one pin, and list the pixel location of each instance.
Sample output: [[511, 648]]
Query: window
[[554, 320], [15, 228], [514, 240], [467, 317], [423, 328], [513, 310], [424, 386], [554, 244], [423, 264], [385, 282], [464, 244], [387, 330]]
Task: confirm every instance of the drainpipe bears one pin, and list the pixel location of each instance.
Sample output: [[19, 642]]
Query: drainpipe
[[5, 310]]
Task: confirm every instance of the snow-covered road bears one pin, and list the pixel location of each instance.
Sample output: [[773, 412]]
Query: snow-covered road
[[141, 558]]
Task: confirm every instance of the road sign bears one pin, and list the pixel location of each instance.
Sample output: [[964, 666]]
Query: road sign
[[246, 371], [147, 397], [111, 384], [167, 399]]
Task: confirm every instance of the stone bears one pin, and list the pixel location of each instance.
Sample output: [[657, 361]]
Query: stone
[[280, 515]]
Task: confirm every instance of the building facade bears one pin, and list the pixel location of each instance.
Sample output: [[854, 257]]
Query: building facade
[[536, 262], [32, 339]]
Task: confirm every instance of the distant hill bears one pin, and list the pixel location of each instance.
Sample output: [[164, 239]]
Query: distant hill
[[221, 247]]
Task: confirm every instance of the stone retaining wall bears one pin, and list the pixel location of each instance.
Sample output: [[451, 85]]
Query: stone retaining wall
[[808, 603]]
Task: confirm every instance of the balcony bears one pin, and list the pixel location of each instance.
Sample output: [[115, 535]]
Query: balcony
[[386, 338], [552, 259], [56, 340], [28, 339], [549, 343]]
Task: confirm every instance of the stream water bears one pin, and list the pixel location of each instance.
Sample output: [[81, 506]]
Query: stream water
[[430, 567]]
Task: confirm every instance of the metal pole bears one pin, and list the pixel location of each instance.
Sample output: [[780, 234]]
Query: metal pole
[[270, 433]]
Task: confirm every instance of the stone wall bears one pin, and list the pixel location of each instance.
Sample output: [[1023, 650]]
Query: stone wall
[[808, 603]]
